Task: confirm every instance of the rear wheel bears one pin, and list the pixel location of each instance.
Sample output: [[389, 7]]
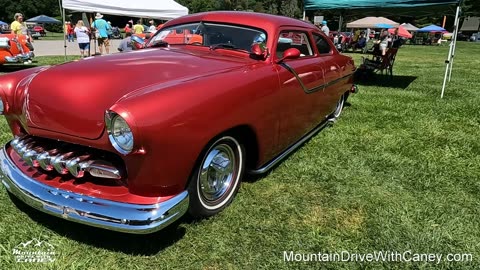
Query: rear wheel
[[216, 179]]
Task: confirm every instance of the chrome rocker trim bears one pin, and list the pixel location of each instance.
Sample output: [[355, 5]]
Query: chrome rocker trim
[[267, 166], [116, 216]]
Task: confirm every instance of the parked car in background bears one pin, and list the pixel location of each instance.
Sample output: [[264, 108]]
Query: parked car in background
[[36, 31], [462, 37], [475, 37], [14, 49], [342, 40], [39, 29], [134, 155]]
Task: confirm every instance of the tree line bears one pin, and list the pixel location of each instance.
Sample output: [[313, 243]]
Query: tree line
[[290, 8]]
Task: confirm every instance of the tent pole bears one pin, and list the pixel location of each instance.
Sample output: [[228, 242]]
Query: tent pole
[[64, 37], [450, 52], [304, 14], [455, 33], [340, 22], [62, 11]]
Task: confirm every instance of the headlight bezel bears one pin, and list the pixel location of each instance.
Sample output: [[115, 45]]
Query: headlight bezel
[[111, 119]]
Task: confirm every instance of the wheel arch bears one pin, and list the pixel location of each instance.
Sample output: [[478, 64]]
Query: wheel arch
[[246, 136]]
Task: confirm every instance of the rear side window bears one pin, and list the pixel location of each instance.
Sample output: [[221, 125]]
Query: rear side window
[[322, 44], [294, 39]]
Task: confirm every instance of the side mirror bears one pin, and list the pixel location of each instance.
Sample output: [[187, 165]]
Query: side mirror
[[292, 53], [259, 51]]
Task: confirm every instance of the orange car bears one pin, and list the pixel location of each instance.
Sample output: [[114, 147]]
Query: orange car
[[14, 49]]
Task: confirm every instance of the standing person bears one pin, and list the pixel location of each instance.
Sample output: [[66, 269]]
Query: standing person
[[83, 38], [138, 28], [127, 29], [102, 27], [152, 28], [70, 32], [325, 28], [383, 42], [18, 27]]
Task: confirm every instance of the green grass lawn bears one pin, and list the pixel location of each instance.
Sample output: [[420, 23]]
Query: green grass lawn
[[399, 171]]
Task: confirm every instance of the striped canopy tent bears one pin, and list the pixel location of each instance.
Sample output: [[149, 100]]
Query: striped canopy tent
[[394, 7]]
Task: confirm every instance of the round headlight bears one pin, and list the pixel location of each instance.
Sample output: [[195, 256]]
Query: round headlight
[[120, 135]]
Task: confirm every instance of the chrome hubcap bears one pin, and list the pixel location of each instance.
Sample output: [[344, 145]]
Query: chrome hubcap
[[217, 173]]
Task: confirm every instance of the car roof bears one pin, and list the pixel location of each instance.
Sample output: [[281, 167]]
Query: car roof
[[268, 22]]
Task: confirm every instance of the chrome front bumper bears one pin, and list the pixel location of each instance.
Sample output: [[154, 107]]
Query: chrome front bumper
[[116, 216], [20, 58]]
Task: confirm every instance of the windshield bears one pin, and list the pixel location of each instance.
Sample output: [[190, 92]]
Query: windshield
[[213, 35]]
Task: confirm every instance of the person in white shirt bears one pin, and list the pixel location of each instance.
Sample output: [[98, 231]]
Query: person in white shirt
[[325, 28], [152, 28], [83, 38]]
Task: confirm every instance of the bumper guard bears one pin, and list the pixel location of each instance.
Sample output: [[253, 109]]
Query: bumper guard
[[20, 58], [116, 216]]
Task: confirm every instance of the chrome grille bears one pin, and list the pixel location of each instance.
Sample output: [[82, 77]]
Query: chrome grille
[[63, 158]]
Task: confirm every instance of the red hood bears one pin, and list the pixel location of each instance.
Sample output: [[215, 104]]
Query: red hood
[[72, 98]]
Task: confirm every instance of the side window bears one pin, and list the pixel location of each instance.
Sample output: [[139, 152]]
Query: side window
[[294, 39], [322, 44]]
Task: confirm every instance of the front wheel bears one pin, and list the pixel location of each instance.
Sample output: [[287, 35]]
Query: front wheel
[[216, 179]]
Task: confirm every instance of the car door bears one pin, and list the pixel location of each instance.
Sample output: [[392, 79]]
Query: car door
[[301, 82], [335, 72]]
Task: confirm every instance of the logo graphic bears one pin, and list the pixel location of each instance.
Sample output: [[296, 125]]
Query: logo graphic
[[34, 251]]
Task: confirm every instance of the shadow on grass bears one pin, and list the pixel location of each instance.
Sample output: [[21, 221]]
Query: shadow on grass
[[131, 244], [401, 82], [12, 68]]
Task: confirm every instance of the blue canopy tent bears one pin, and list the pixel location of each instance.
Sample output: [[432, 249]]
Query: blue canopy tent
[[397, 7], [43, 19], [384, 25], [431, 28], [2, 23]]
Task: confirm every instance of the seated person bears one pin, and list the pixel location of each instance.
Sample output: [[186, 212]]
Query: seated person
[[362, 42], [397, 43], [126, 43]]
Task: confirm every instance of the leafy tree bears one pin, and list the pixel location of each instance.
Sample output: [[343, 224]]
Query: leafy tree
[[471, 8], [289, 8], [29, 8]]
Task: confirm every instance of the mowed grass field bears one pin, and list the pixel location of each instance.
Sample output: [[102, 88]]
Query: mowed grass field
[[400, 171]]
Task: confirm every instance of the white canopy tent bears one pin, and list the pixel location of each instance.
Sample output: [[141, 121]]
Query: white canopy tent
[[165, 9], [409, 27], [371, 22]]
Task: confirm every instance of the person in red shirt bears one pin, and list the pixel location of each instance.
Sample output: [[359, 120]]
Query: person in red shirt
[[70, 32], [127, 28]]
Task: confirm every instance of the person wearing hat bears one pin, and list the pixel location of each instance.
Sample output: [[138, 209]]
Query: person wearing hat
[[102, 27], [325, 28]]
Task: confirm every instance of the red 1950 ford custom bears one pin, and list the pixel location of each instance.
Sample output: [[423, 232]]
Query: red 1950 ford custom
[[132, 141]]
